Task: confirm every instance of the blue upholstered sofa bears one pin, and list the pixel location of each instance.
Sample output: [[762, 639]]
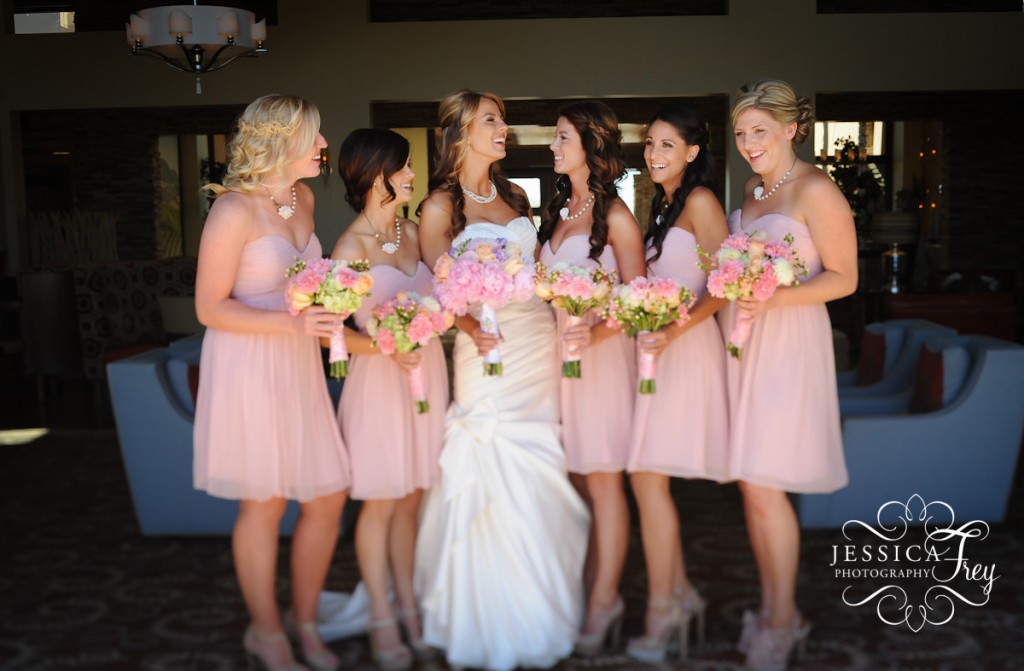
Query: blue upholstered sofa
[[153, 407], [963, 452]]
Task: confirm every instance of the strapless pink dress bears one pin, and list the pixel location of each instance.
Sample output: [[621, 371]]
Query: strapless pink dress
[[394, 450], [682, 430], [598, 406], [783, 399], [264, 422]]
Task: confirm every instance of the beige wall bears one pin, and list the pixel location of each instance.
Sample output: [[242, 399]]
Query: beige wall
[[325, 50]]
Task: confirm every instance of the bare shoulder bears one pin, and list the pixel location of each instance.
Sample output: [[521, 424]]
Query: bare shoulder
[[621, 222], [619, 215], [819, 190], [437, 203], [410, 229], [703, 200], [350, 245], [231, 210]]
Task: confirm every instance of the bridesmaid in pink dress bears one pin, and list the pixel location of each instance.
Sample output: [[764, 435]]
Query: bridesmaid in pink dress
[[681, 431], [588, 223], [264, 430], [784, 412], [394, 450]]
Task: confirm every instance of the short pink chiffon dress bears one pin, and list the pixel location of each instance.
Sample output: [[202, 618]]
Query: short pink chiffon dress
[[598, 406], [682, 429], [783, 398], [264, 422], [394, 450]]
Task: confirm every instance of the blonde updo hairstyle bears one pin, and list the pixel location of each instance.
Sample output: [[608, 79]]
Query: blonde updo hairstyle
[[271, 131], [780, 100]]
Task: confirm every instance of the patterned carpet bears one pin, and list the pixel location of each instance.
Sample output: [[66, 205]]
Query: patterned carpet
[[81, 589]]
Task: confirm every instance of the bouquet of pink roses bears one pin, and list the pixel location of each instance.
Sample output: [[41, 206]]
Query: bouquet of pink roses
[[339, 286], [752, 265], [575, 289], [646, 305], [404, 324], [488, 273]]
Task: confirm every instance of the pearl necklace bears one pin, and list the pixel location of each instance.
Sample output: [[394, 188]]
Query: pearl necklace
[[483, 200], [387, 247], [564, 212], [284, 211], [759, 193]]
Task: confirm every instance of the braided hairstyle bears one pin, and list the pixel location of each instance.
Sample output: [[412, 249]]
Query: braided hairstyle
[[599, 133], [701, 172], [455, 114]]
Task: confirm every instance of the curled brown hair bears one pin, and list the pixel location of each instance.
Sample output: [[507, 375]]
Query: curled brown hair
[[455, 114], [780, 100], [599, 133]]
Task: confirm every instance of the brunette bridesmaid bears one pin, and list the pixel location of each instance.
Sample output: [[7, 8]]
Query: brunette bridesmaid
[[680, 431], [587, 223], [394, 450]]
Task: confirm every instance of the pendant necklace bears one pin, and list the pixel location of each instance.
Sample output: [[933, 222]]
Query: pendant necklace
[[387, 247], [759, 193], [284, 211], [564, 212]]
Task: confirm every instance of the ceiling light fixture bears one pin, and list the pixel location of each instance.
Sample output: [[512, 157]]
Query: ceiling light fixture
[[194, 38]]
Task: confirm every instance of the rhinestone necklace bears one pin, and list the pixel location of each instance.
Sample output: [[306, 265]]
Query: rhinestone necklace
[[387, 247], [284, 211], [759, 193], [483, 200], [564, 212]]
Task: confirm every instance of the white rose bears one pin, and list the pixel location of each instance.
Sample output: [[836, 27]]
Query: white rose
[[784, 272]]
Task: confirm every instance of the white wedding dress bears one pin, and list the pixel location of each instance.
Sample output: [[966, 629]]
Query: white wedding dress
[[503, 536]]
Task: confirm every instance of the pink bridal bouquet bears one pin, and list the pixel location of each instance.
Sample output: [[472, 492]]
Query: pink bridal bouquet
[[404, 324], [752, 265], [488, 273], [645, 305], [575, 289], [339, 286]]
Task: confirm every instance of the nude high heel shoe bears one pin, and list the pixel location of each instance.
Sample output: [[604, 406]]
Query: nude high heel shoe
[[692, 607], [772, 647], [652, 647], [395, 658], [313, 649], [269, 651], [420, 649], [590, 645]]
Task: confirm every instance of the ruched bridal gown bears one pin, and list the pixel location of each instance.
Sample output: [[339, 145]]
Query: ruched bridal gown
[[503, 536]]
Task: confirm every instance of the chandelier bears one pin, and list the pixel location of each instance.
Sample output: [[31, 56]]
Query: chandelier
[[194, 38]]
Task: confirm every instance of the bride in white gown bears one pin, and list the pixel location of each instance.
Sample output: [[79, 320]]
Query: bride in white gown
[[503, 537]]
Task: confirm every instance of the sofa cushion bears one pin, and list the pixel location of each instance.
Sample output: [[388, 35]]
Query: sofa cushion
[[941, 372], [880, 345], [183, 377]]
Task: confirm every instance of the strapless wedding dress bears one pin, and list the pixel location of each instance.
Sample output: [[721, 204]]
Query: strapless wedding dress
[[503, 536]]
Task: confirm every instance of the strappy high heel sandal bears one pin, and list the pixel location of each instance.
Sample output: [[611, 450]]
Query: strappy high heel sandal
[[307, 636], [653, 647], [590, 645], [395, 658], [272, 652], [772, 647], [692, 607], [752, 623], [420, 649]]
